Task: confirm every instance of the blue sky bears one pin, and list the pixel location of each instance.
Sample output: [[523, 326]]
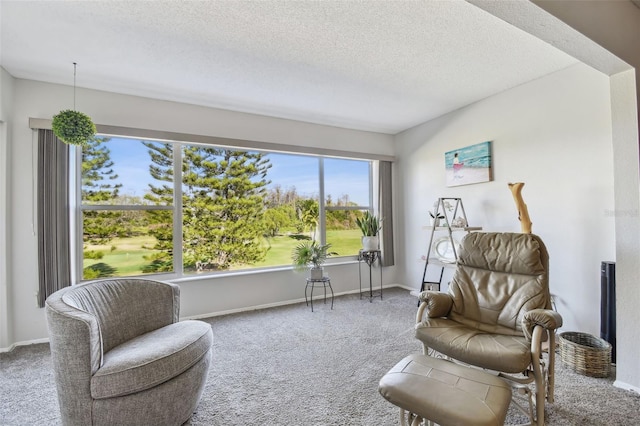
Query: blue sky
[[131, 162]]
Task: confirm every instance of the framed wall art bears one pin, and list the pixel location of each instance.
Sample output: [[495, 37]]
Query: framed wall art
[[471, 164]]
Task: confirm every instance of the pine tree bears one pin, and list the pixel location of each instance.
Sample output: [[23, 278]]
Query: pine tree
[[97, 173], [160, 222], [98, 187], [223, 206]]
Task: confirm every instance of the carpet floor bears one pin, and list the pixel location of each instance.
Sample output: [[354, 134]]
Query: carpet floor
[[287, 366]]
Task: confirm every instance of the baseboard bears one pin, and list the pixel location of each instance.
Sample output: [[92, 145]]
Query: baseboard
[[404, 287], [25, 343], [626, 386], [276, 304], [227, 312], [617, 383]]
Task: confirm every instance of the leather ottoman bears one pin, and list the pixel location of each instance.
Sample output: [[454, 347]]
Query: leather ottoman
[[445, 393]]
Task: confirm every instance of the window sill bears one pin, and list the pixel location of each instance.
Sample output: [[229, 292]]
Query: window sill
[[237, 273]]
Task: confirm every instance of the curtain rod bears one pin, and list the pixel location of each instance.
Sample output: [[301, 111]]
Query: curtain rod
[[43, 123]]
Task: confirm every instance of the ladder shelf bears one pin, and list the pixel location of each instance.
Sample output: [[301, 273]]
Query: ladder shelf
[[453, 211]]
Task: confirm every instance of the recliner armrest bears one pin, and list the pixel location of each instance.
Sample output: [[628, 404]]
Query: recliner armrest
[[435, 304], [546, 318]]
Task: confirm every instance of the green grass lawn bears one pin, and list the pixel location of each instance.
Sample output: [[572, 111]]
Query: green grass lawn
[[343, 242], [128, 259]]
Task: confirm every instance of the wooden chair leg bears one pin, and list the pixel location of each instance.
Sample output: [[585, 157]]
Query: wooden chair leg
[[539, 376]]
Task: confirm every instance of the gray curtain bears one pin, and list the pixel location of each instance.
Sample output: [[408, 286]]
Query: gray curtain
[[53, 215], [386, 212]]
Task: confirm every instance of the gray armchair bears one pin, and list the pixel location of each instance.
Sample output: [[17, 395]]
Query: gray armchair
[[497, 313], [121, 357]]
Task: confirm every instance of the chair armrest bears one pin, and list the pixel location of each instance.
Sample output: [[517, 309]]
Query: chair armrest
[[76, 353], [435, 304], [546, 318]]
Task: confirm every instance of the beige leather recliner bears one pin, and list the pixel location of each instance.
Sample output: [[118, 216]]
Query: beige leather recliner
[[497, 312]]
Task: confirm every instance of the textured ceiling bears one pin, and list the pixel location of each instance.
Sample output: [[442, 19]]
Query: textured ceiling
[[373, 65]]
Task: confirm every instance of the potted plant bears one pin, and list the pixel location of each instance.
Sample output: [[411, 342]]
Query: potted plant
[[311, 255], [73, 127], [435, 218], [370, 225], [436, 214]]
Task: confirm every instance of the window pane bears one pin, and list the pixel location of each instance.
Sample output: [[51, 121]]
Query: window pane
[[346, 185], [126, 242], [342, 232], [346, 182], [292, 209], [121, 171], [224, 196]]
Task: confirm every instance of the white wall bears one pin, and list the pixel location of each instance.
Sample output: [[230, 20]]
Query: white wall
[[615, 26], [618, 31], [6, 114], [554, 134], [199, 297], [624, 105]]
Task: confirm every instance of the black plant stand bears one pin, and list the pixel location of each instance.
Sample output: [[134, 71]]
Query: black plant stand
[[313, 282], [369, 257]]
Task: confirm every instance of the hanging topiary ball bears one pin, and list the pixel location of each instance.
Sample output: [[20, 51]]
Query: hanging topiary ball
[[73, 127]]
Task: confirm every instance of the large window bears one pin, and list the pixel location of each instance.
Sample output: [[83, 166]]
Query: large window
[[152, 207]]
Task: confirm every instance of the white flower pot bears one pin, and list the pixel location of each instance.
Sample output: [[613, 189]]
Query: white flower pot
[[316, 273], [435, 221], [370, 243]]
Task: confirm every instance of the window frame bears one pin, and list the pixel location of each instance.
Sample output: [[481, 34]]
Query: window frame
[[324, 208], [80, 207], [176, 207]]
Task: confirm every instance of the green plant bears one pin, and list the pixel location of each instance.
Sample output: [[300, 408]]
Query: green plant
[[369, 224], [310, 254], [93, 254], [73, 127]]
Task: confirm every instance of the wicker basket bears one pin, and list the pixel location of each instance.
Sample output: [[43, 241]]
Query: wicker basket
[[585, 354]]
